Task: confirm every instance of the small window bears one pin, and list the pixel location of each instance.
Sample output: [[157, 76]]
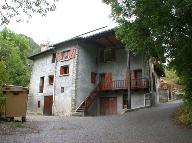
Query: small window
[[93, 77], [62, 89], [51, 79], [64, 70], [108, 55], [53, 57], [41, 85], [39, 104]]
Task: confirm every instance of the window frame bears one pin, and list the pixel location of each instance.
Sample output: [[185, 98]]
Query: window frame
[[105, 55], [62, 89], [41, 84], [51, 79], [62, 70]]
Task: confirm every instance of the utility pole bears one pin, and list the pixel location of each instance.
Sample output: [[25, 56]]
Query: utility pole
[[129, 79]]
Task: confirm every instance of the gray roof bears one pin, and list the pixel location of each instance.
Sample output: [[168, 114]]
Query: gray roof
[[91, 34]]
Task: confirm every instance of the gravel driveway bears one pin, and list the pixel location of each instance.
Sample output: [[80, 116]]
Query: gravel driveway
[[151, 125]]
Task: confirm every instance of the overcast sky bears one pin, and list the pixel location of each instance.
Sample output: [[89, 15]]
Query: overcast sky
[[71, 18]]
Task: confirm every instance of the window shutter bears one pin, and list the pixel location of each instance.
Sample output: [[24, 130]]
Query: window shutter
[[113, 52], [133, 79], [108, 80]]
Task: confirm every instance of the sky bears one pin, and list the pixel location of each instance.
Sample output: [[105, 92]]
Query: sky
[[71, 18]]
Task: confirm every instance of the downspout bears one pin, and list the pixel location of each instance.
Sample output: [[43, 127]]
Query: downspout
[[54, 82]]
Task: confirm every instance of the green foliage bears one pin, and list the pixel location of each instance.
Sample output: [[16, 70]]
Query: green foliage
[[23, 9], [172, 76], [14, 67], [158, 28], [184, 114]]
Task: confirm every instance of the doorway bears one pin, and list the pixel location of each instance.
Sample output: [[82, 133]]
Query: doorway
[[48, 102], [108, 105]]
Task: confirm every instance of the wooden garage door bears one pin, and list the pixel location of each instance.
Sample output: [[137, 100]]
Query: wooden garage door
[[108, 105], [48, 102]]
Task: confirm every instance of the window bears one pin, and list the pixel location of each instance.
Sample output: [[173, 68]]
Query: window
[[51, 79], [41, 85], [107, 55], [62, 89], [53, 57], [93, 77], [64, 70], [38, 104]]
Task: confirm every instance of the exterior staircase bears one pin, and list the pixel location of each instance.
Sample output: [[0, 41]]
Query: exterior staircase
[[84, 106]]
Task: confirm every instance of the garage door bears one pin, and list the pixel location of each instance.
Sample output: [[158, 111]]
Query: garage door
[[108, 105]]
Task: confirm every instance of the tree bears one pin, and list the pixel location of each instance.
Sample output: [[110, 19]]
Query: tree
[[158, 28], [23, 9], [14, 67]]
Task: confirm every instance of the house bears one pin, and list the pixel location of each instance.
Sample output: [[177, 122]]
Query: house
[[88, 74]]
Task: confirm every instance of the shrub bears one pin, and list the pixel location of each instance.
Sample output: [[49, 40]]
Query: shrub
[[184, 114]]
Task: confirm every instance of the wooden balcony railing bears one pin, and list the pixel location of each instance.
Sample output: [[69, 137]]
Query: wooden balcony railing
[[141, 83]]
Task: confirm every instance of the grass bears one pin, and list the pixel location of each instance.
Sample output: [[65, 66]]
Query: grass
[[183, 115], [17, 125]]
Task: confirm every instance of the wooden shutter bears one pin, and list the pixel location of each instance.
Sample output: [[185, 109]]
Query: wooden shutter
[[133, 79], [108, 80], [113, 54]]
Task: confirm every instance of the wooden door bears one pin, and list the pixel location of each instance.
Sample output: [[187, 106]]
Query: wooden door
[[108, 105], [108, 81], [48, 102]]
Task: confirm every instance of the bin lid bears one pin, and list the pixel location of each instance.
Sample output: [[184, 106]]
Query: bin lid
[[14, 88]]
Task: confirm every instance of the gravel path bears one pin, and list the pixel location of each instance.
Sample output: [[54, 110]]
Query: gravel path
[[151, 125]]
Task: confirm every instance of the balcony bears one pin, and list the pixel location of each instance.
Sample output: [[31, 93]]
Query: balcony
[[141, 83]]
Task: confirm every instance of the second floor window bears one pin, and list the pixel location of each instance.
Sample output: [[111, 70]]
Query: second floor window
[[107, 55], [64, 70], [51, 79]]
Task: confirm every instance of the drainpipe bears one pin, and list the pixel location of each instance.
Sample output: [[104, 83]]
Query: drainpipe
[[54, 83], [129, 79]]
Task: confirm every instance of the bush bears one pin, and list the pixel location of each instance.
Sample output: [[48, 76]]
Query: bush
[[184, 114]]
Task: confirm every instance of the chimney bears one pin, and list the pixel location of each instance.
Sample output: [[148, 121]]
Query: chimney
[[44, 47]]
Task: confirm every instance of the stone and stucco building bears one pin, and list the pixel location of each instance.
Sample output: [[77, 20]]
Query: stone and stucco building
[[89, 75]]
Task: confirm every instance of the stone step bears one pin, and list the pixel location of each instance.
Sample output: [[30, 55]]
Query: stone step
[[78, 114]]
